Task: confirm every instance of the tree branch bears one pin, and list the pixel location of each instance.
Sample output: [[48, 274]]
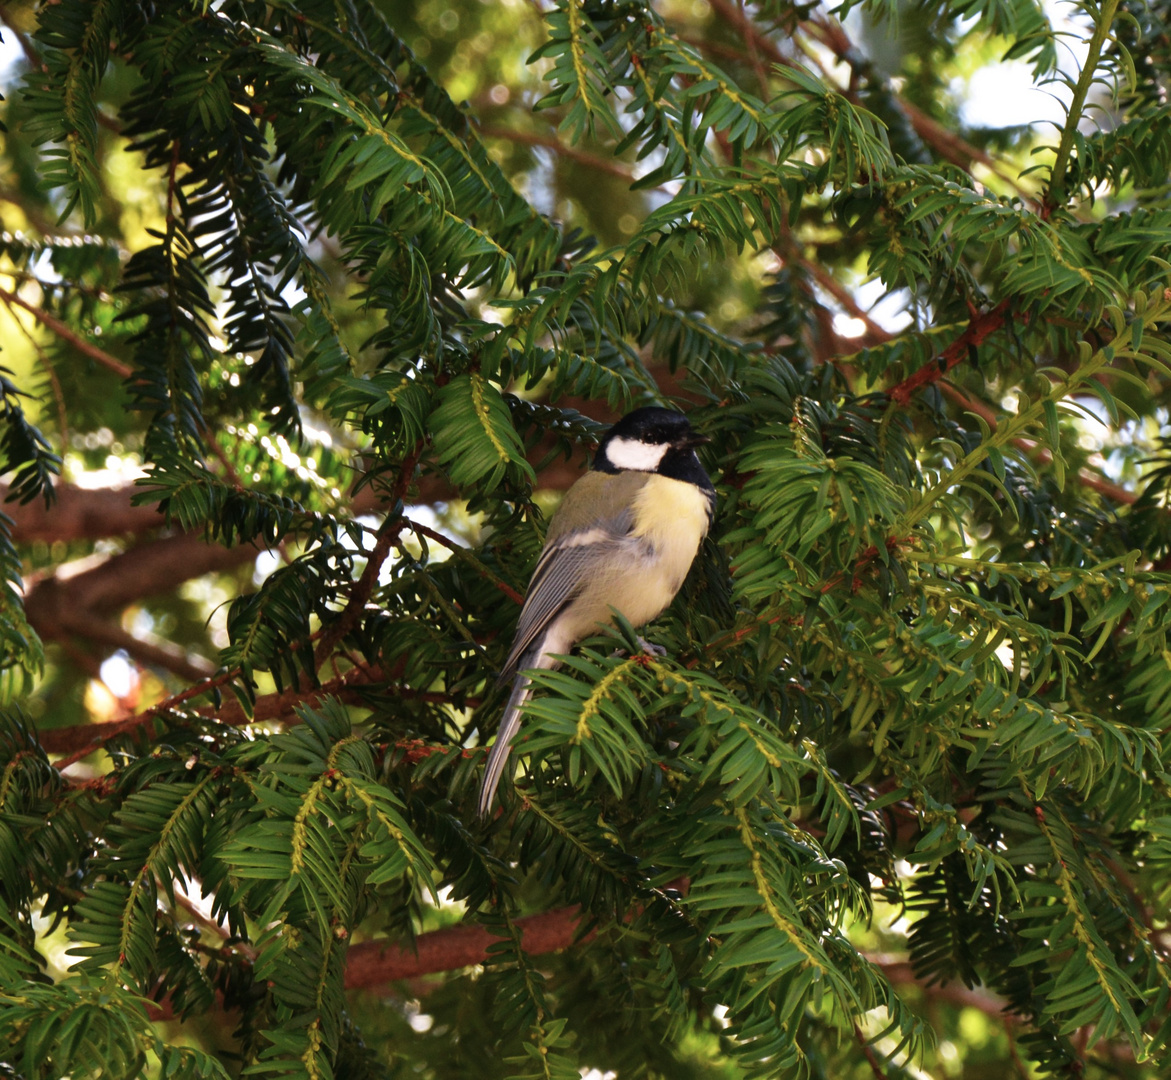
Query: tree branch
[[80, 514], [375, 963], [1045, 456], [148, 569], [459, 549], [950, 146], [604, 165], [51, 322], [169, 657], [22, 39], [868, 1053], [981, 326], [80, 740], [361, 590]]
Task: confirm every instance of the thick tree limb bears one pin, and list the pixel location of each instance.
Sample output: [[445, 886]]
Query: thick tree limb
[[149, 569], [80, 514], [77, 600]]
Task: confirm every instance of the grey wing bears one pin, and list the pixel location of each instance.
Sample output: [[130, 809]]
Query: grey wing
[[563, 569]]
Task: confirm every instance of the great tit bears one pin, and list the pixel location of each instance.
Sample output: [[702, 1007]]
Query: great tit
[[622, 540]]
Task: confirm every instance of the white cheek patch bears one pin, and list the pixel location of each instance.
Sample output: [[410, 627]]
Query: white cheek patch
[[635, 455]]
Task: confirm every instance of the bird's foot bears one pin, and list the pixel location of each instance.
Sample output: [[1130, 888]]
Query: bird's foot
[[650, 648]]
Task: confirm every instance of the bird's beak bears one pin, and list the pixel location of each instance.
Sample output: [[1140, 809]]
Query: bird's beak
[[693, 440]]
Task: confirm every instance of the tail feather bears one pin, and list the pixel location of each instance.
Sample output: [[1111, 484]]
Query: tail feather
[[498, 755]]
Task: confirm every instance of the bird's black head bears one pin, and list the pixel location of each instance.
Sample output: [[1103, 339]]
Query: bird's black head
[[654, 440]]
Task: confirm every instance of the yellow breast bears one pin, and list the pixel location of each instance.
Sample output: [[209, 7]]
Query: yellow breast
[[672, 517]]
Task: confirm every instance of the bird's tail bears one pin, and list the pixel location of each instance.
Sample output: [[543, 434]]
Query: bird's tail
[[498, 755]]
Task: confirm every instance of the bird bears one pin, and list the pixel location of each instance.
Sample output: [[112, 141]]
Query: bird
[[623, 539]]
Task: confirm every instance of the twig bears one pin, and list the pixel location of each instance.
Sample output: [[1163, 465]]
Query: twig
[[868, 1051], [22, 39], [58, 394], [51, 322], [751, 40], [950, 146], [80, 740], [1041, 453], [1073, 115], [836, 289], [551, 143], [484, 572], [364, 586], [1023, 1072], [219, 453], [170, 657], [980, 326]]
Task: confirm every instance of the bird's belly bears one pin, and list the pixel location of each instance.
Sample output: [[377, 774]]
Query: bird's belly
[[648, 566], [636, 586]]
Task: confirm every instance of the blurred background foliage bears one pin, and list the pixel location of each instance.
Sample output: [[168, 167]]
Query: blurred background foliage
[[347, 292]]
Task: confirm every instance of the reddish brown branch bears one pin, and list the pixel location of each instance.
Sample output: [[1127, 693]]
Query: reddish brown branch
[[868, 1053], [80, 740], [981, 326], [374, 963]]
